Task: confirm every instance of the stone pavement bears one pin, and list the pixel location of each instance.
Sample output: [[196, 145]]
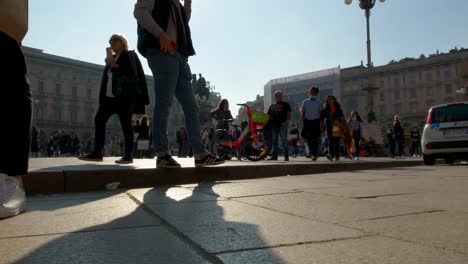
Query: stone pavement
[[392, 215], [61, 175]]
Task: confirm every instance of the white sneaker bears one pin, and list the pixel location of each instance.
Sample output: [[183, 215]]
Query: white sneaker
[[12, 197]]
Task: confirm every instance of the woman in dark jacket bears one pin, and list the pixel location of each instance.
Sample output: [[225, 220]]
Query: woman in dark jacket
[[331, 112], [124, 92], [399, 136], [222, 114]]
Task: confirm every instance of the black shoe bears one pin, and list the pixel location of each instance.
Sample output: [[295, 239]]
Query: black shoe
[[286, 159], [92, 157], [124, 160], [167, 162], [208, 160], [314, 158], [272, 158], [329, 157]]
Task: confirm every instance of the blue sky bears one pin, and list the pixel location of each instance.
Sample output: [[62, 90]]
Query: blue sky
[[242, 44]]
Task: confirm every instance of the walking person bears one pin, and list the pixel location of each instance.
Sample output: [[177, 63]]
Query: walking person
[[123, 92], [355, 123], [391, 142], [222, 115], [164, 38], [16, 107], [280, 115], [311, 111], [333, 115], [399, 137], [294, 139], [34, 150], [415, 142], [143, 137]]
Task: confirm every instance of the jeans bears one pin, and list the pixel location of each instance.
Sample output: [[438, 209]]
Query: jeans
[[172, 77], [334, 146], [282, 132], [313, 135]]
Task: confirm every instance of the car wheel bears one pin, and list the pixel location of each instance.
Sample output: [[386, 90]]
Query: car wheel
[[449, 160], [429, 160]]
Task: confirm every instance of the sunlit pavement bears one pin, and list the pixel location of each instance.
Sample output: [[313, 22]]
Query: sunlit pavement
[[392, 215]]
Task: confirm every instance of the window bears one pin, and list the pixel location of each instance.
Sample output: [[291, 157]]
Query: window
[[413, 107], [398, 108], [448, 88], [396, 82], [74, 90], [412, 78], [73, 116], [397, 95], [382, 110], [428, 77], [382, 96], [413, 93], [57, 116], [382, 84], [447, 73], [430, 91], [89, 93], [40, 87], [58, 89]]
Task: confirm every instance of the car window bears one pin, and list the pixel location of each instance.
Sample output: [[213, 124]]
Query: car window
[[451, 113]]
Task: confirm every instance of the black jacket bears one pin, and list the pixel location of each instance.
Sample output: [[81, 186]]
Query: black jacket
[[132, 101]]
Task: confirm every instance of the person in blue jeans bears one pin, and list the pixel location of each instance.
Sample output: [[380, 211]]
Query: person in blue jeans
[[164, 38], [280, 115]]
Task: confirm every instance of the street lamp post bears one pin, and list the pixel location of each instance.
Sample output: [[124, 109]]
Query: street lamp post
[[367, 5]]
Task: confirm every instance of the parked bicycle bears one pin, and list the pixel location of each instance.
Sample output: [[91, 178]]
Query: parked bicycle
[[253, 143]]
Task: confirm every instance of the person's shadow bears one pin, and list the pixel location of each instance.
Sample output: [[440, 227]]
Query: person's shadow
[[161, 225]]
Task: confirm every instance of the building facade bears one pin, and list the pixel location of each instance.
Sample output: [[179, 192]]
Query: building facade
[[408, 87]]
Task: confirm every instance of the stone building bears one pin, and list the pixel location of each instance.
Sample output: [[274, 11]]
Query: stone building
[[408, 87]]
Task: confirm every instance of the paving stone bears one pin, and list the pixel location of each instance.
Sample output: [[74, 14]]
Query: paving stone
[[226, 190], [354, 251], [329, 208], [64, 216], [135, 245], [449, 201], [228, 225], [443, 229], [170, 195], [293, 183]]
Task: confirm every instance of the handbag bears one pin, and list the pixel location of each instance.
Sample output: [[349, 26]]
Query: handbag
[[143, 144]]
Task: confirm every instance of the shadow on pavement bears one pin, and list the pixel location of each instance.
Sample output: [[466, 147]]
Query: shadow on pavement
[[161, 225]]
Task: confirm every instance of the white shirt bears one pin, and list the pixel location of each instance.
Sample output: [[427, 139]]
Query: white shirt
[[109, 80]]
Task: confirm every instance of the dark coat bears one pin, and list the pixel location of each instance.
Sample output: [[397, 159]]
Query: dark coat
[[329, 117], [132, 101]]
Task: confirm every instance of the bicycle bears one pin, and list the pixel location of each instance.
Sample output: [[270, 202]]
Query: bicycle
[[253, 143]]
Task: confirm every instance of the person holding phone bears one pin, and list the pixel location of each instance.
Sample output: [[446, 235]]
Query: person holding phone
[[164, 38], [123, 92]]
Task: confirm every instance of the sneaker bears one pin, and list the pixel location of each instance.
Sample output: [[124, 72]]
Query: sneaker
[[208, 160], [314, 158], [92, 157], [167, 162], [329, 157], [12, 197], [286, 159], [272, 158], [124, 160]]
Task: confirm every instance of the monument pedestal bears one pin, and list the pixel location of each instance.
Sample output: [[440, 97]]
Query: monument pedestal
[[374, 130]]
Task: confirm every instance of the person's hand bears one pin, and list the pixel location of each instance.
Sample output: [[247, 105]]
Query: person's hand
[[111, 62], [167, 44]]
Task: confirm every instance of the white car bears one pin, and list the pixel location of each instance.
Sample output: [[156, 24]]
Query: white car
[[445, 134]]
